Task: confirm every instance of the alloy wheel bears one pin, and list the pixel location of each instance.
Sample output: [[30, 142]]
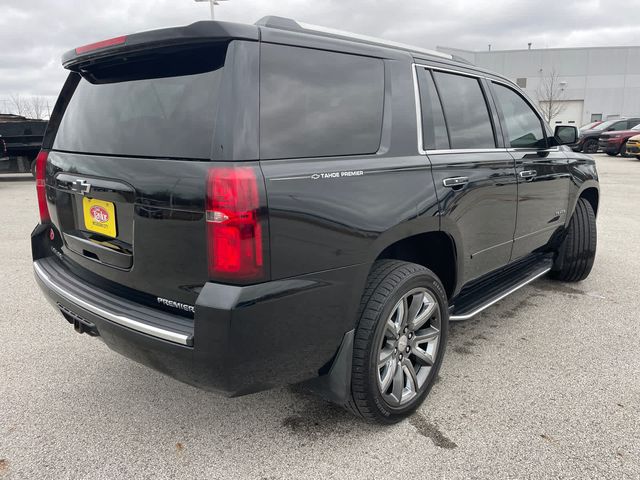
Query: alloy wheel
[[591, 147], [409, 346]]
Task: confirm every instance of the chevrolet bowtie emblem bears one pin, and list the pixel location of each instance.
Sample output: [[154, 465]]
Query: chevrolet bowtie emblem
[[81, 186]]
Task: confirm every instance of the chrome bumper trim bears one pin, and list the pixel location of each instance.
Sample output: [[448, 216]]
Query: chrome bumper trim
[[119, 319]]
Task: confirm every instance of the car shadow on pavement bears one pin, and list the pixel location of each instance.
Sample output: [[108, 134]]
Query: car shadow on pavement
[[131, 394], [292, 412]]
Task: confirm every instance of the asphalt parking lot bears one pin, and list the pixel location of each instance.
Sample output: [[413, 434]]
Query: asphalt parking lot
[[545, 384]]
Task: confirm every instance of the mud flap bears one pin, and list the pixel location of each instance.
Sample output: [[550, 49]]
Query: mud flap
[[335, 386]]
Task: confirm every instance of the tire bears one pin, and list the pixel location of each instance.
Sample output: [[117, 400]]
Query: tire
[[611, 153], [578, 249], [590, 146], [623, 150], [380, 330]]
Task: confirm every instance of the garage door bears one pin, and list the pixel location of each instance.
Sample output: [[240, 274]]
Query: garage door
[[570, 112]]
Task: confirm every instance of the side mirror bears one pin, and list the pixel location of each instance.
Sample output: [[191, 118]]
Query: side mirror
[[566, 134]]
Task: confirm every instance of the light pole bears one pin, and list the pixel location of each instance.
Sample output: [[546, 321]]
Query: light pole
[[212, 3]]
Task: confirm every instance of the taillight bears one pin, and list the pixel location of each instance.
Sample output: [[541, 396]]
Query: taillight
[[111, 42], [235, 236], [41, 166]]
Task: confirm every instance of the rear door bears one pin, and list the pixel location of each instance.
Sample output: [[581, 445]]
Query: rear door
[[543, 172], [474, 175], [128, 167]]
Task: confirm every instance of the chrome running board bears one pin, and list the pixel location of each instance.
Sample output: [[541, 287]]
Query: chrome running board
[[488, 292]]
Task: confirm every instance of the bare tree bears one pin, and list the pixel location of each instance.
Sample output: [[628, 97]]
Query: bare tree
[[551, 95], [37, 107], [19, 104]]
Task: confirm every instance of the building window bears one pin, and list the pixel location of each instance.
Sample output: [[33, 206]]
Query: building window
[[521, 82], [596, 117]]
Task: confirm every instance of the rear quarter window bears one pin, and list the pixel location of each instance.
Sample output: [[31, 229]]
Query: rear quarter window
[[434, 128], [316, 103], [466, 111]]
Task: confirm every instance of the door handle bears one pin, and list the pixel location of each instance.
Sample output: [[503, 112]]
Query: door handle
[[454, 182], [528, 174]]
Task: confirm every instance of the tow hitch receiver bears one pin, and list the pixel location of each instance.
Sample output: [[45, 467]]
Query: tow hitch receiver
[[80, 325]]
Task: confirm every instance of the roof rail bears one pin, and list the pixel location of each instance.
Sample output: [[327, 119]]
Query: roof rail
[[283, 23]]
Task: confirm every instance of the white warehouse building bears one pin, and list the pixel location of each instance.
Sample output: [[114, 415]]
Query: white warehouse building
[[598, 83]]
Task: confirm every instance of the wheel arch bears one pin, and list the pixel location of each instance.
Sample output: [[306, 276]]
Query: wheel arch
[[592, 195], [435, 250]]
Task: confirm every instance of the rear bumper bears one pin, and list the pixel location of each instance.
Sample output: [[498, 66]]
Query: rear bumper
[[54, 279], [241, 339]]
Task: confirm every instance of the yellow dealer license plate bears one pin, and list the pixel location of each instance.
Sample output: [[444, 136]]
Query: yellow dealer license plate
[[99, 216]]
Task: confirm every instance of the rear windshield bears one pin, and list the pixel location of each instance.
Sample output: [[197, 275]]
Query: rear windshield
[[159, 106]]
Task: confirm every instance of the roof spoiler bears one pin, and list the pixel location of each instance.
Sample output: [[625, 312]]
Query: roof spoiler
[[198, 32]]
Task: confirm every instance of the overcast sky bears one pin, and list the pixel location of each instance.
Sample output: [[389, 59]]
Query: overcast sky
[[34, 33]]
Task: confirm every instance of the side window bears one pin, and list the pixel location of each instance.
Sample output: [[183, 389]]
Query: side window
[[616, 127], [465, 110], [434, 128], [315, 103], [524, 127]]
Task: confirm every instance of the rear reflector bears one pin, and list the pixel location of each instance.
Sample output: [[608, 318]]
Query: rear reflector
[[41, 167], [112, 42], [234, 229]]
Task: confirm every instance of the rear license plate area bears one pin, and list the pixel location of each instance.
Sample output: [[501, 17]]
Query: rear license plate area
[[99, 216]]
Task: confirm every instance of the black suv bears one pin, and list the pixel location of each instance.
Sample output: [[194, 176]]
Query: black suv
[[242, 207]]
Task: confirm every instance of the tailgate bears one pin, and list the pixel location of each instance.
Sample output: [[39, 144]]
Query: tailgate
[[130, 147], [155, 209]]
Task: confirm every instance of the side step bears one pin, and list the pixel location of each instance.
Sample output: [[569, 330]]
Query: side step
[[483, 293]]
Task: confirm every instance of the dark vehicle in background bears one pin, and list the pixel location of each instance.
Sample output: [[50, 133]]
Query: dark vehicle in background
[[615, 143], [590, 125], [588, 140], [22, 138], [326, 204]]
